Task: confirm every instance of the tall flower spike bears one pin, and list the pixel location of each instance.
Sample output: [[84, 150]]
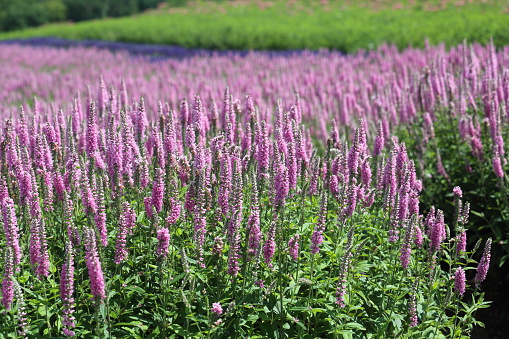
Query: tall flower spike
[[437, 233], [317, 236], [484, 264], [94, 266], [412, 305], [459, 281], [461, 242], [344, 268], [67, 291], [253, 222], [8, 279], [125, 225], [100, 215], [21, 315], [379, 141], [163, 238], [72, 230], [406, 247], [293, 246], [269, 248], [92, 136], [158, 190], [11, 229], [281, 183]]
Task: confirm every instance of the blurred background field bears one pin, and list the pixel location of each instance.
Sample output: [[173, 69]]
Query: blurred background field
[[346, 26]]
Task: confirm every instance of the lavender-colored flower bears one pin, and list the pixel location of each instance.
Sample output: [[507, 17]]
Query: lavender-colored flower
[[233, 253], [394, 221], [143, 173], [39, 256], [125, 225], [217, 309], [92, 135], [94, 267], [379, 140], [366, 173], [281, 183], [456, 191], [174, 212], [406, 247], [317, 236], [497, 165], [100, 217], [389, 179], [58, 183], [163, 238], [293, 246], [437, 234], [25, 185], [253, 223], [140, 121], [334, 185], [149, 210], [291, 164], [353, 158], [352, 199], [418, 239], [87, 195], [269, 247], [459, 281], [461, 242], [158, 190], [8, 280], [484, 264], [11, 229], [225, 184], [47, 189], [263, 149]]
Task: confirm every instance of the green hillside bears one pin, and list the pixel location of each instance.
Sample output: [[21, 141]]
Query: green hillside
[[277, 25]]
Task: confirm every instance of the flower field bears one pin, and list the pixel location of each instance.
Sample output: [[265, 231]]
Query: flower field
[[311, 194]]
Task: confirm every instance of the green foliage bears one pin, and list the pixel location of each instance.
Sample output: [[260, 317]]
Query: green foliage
[[55, 10], [151, 297], [21, 14], [488, 195], [346, 29]]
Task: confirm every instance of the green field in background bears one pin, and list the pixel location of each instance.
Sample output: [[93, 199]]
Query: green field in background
[[279, 27]]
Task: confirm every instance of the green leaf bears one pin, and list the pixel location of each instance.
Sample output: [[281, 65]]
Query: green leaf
[[355, 326]]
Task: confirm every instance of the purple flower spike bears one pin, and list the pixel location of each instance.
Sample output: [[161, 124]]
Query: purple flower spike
[[484, 264], [217, 309], [293, 246], [459, 281], [456, 191], [163, 237], [94, 267]]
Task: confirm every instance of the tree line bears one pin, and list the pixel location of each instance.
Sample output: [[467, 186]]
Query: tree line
[[19, 14]]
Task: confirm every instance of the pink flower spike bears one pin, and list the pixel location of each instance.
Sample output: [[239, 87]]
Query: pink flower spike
[[217, 309]]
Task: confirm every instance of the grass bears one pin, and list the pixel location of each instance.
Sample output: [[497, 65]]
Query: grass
[[279, 26]]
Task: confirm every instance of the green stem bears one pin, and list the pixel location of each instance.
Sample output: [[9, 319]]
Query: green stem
[[46, 308]]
